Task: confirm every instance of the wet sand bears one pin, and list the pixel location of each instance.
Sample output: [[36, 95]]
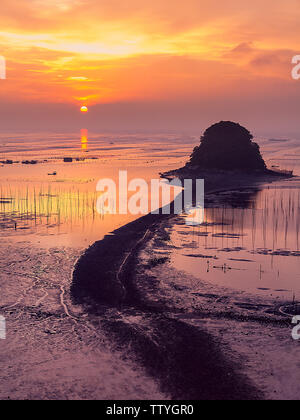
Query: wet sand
[[53, 350]]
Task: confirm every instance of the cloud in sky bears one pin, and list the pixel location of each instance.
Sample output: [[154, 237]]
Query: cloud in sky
[[75, 52]]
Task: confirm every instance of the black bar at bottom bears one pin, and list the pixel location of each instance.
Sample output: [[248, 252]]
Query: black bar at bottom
[[150, 409]]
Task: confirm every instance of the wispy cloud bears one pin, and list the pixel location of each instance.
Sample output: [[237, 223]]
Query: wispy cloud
[[114, 51]]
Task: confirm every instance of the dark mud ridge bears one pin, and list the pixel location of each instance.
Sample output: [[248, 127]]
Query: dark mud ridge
[[102, 273]]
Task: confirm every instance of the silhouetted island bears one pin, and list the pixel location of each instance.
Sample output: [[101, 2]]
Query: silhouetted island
[[228, 146]]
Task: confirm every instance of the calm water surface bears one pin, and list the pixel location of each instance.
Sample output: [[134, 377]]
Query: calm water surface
[[250, 238], [53, 203]]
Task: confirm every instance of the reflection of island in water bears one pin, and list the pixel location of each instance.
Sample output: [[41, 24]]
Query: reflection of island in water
[[269, 216], [249, 240]]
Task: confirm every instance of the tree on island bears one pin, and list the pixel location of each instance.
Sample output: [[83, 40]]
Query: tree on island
[[228, 146]]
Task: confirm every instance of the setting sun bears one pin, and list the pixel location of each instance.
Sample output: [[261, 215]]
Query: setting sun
[[84, 109]]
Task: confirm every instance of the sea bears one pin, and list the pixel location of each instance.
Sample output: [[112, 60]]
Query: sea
[[250, 237]]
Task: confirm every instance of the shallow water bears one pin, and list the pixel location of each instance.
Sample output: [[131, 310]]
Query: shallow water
[[249, 241], [53, 203], [60, 209]]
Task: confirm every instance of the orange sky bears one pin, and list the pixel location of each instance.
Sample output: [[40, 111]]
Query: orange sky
[[218, 56]]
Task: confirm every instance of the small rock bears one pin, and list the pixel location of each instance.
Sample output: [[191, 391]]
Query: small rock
[[51, 332]]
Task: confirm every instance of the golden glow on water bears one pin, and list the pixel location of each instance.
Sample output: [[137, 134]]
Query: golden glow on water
[[53, 202], [84, 139], [54, 214]]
